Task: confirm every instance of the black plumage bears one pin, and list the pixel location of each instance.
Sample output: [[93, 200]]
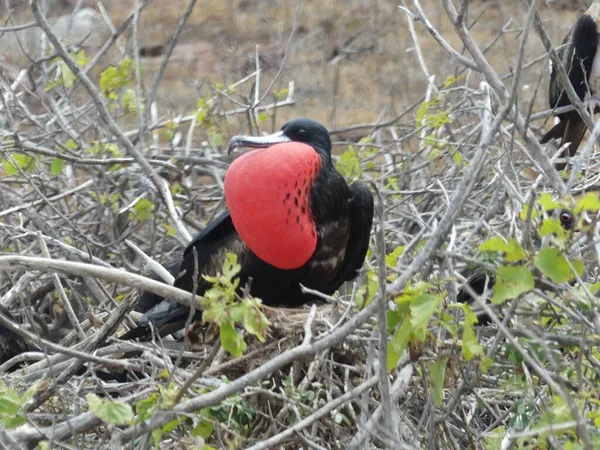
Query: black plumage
[[577, 55], [342, 215]]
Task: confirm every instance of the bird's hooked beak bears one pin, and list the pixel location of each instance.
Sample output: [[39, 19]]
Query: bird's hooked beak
[[257, 141]]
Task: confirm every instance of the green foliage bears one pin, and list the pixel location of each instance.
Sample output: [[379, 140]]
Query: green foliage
[[511, 249], [13, 404], [589, 202], [116, 77], [142, 210], [129, 101], [65, 75], [470, 346], [414, 309], [391, 259], [366, 293], [110, 411], [349, 164], [222, 306], [437, 372], [56, 166], [19, 161], [555, 265], [432, 115], [512, 281]]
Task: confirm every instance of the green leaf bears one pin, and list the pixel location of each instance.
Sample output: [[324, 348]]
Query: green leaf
[[56, 167], [450, 80], [391, 259], [142, 210], [231, 340], [422, 308], [282, 93], [204, 429], [145, 407], [546, 202], [588, 203], [512, 250], [231, 267], [398, 344], [553, 227], [171, 230], [68, 77], [71, 144], [525, 210], [437, 371], [255, 322], [553, 264], [349, 164], [110, 411], [470, 346], [129, 101], [511, 282], [22, 161]]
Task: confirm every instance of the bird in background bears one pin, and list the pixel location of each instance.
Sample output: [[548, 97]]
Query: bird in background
[[578, 56], [291, 220]]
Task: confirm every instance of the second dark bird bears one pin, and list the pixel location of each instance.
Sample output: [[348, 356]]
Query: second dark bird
[[578, 56], [291, 220]]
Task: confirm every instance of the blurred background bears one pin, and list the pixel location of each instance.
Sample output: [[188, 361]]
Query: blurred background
[[352, 61]]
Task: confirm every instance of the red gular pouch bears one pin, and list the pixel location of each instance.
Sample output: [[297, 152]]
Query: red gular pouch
[[268, 197]]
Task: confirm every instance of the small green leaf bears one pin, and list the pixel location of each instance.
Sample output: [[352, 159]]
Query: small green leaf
[[398, 344], [437, 371], [512, 250], [546, 202], [255, 322], [422, 308], [171, 230], [110, 411], [204, 429], [22, 161], [553, 227], [231, 340], [511, 282], [68, 76], [349, 164], [391, 259], [553, 264], [142, 210], [588, 203], [470, 346], [56, 167]]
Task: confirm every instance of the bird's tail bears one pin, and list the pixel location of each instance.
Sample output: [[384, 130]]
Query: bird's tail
[[571, 129]]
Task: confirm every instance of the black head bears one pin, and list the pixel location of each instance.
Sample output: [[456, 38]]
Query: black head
[[564, 216], [298, 130]]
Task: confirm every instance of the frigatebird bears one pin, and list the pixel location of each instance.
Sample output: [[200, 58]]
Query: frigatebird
[[479, 279], [292, 220], [578, 57]]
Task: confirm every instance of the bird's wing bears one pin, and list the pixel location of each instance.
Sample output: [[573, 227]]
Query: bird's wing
[[167, 315], [148, 299], [577, 56], [361, 220]]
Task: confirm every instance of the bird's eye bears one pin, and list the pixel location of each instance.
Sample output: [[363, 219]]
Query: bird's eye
[[302, 133], [566, 217]]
